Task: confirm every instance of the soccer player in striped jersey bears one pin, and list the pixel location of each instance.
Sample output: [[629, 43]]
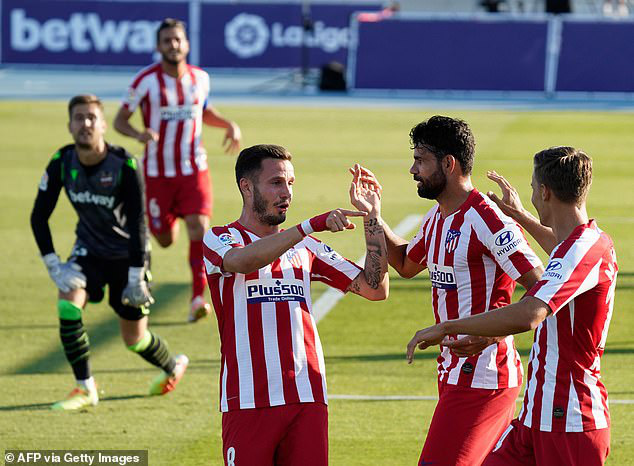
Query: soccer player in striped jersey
[[172, 97], [474, 254], [272, 373], [564, 417], [106, 190]]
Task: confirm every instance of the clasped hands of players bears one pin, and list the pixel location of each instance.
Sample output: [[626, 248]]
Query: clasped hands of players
[[466, 346]]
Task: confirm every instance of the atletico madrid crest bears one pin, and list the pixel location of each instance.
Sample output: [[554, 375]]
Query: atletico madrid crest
[[451, 243], [293, 256]]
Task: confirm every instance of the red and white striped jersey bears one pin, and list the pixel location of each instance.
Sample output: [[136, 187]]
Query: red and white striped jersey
[[270, 349], [473, 256], [564, 392], [172, 107]]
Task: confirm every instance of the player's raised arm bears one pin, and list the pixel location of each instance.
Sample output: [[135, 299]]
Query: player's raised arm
[[256, 255], [373, 282], [396, 246], [511, 205]]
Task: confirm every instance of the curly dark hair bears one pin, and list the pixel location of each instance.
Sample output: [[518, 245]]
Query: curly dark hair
[[565, 170], [442, 136]]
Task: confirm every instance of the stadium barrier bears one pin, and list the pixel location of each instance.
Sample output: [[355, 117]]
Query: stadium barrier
[[223, 34], [492, 52], [408, 51]]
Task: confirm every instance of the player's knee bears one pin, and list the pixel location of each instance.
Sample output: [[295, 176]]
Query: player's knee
[[67, 310], [197, 225], [165, 239], [136, 344]]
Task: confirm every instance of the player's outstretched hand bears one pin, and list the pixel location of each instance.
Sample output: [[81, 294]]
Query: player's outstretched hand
[[334, 220], [67, 276], [136, 292], [232, 139], [367, 179], [470, 345], [510, 203], [425, 338], [364, 195]]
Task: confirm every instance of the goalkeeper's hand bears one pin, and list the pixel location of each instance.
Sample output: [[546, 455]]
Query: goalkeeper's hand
[[66, 275], [136, 292]]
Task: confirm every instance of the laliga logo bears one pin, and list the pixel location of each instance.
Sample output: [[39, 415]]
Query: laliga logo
[[247, 35]]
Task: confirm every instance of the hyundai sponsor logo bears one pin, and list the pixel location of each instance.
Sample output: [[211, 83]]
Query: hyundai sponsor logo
[[551, 270], [248, 35], [506, 242], [81, 32], [271, 290], [504, 238]]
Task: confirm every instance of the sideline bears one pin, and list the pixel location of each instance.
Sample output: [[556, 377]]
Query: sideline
[[430, 398]]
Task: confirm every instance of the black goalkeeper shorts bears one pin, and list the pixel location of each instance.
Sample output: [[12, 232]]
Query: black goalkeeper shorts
[[112, 272]]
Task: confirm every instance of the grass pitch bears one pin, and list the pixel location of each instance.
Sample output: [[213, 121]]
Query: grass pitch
[[364, 342]]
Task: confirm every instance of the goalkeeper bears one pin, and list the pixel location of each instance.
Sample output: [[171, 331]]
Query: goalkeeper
[[105, 189]]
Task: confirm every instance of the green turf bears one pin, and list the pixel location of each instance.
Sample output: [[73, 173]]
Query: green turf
[[364, 342]]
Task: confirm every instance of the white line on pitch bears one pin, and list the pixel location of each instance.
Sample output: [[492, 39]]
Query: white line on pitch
[[427, 398], [330, 297]]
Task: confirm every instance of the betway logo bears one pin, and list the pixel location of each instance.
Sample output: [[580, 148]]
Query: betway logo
[[86, 197], [248, 35], [82, 32]]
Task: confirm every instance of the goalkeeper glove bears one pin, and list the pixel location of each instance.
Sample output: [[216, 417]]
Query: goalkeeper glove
[[136, 292], [67, 276]]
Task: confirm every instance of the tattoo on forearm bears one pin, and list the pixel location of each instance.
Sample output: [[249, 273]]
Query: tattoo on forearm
[[373, 269], [354, 286], [373, 227]]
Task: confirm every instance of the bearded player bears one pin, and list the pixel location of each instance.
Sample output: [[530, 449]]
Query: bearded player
[[272, 380], [564, 417], [474, 254]]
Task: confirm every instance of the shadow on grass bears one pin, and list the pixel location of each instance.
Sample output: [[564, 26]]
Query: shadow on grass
[[525, 351], [28, 327], [53, 359], [47, 406], [379, 357]]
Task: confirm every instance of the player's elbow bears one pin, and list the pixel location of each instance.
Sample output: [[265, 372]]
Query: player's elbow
[[240, 265], [535, 314], [118, 124], [405, 273], [381, 293]]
